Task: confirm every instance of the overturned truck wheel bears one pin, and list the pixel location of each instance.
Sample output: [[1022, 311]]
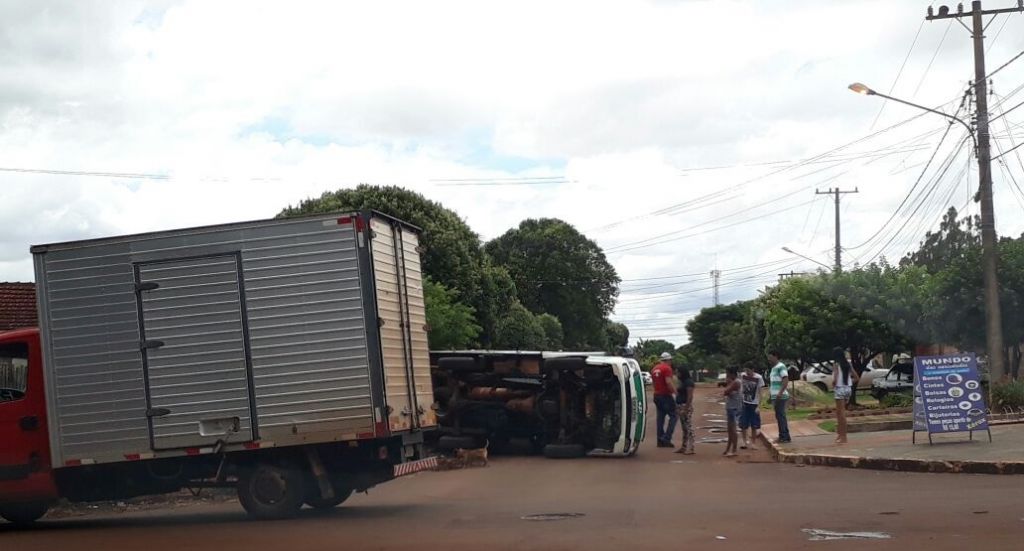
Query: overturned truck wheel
[[564, 451], [271, 491]]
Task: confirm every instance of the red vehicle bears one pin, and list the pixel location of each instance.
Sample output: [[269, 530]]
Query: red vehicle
[[284, 358], [26, 477]]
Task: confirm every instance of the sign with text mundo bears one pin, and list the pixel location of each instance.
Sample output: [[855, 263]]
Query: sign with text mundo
[[947, 391]]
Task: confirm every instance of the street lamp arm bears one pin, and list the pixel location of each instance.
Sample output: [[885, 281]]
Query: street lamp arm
[[970, 130], [791, 251]]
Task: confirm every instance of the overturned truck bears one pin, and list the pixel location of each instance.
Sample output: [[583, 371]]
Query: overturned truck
[[562, 404]]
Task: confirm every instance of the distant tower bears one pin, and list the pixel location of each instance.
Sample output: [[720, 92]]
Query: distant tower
[[716, 275]]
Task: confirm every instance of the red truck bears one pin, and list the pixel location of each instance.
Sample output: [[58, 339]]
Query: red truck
[[285, 358]]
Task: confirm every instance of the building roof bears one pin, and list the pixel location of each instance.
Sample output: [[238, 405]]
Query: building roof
[[17, 306]]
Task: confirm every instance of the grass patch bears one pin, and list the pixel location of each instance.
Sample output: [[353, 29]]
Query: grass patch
[[798, 414], [829, 425]]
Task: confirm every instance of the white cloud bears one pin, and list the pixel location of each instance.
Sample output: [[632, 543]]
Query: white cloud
[[252, 106]]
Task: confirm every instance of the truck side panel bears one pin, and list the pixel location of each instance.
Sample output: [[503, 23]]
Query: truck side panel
[[304, 354]]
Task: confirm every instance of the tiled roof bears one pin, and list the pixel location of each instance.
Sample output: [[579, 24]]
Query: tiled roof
[[17, 305]]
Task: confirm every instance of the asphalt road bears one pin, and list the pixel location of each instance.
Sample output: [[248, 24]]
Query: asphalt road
[[657, 500]]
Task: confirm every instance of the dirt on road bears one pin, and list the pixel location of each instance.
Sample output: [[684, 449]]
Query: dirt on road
[[657, 500]]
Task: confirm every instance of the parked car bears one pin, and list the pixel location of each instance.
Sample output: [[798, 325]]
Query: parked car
[[821, 376], [564, 404], [900, 378], [721, 379], [648, 380]]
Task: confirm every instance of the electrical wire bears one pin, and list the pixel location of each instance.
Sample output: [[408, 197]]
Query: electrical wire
[[938, 48], [898, 74]]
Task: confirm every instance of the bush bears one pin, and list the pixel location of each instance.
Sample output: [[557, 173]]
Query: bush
[[1008, 395], [897, 400]]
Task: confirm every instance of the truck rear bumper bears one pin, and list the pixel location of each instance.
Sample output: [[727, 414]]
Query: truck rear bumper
[[413, 467]]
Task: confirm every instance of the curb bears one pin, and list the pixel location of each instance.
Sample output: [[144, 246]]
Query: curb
[[886, 464]]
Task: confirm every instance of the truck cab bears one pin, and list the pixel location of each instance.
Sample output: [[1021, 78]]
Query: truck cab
[[26, 479]]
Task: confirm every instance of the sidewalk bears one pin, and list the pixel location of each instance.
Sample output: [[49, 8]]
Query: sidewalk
[[893, 450]]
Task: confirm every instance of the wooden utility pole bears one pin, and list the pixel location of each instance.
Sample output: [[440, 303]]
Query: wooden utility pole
[[993, 317], [839, 248]]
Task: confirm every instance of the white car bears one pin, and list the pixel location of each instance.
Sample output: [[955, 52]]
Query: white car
[[820, 375], [648, 380]]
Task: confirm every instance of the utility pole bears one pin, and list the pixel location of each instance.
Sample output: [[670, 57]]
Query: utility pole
[[839, 248], [716, 276], [790, 274], [994, 318]]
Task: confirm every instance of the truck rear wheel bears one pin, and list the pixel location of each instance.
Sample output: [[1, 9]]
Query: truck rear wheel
[[564, 451], [24, 514], [271, 491]]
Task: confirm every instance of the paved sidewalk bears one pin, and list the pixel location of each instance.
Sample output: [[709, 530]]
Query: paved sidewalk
[[893, 450]]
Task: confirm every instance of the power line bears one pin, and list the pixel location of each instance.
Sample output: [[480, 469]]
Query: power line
[[898, 74], [930, 62]]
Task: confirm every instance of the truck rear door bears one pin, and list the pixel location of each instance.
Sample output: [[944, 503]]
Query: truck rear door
[[402, 316]]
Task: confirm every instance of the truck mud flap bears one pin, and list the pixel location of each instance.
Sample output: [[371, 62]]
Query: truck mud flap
[[413, 467]]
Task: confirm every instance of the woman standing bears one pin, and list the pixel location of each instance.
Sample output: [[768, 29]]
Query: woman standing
[[733, 404], [684, 408], [844, 380]]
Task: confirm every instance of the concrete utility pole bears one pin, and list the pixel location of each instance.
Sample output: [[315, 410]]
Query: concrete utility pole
[[994, 318], [839, 249], [716, 276]]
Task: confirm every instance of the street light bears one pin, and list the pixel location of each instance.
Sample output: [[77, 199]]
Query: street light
[[993, 313], [791, 251], [866, 90]]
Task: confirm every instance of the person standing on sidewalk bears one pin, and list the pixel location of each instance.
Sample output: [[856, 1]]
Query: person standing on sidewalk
[[845, 382], [661, 375], [778, 383], [684, 409], [733, 404], [750, 416]]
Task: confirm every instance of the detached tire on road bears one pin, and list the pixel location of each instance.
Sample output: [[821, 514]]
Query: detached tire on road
[[24, 514], [272, 491], [564, 451]]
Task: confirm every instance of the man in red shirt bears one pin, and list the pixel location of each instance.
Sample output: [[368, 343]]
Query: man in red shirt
[[662, 374]]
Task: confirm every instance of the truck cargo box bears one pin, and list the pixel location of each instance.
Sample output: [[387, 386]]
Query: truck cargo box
[[257, 334]]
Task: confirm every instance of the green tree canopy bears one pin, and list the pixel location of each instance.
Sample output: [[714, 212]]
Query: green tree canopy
[[451, 255], [553, 333], [556, 269], [617, 336], [452, 325], [653, 347], [708, 326], [519, 330]]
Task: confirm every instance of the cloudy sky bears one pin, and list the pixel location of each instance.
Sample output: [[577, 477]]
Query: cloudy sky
[[681, 135]]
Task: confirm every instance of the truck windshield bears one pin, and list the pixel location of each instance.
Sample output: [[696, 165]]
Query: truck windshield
[[13, 371]]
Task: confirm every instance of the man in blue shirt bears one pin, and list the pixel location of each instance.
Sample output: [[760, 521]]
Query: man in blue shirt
[[778, 380]]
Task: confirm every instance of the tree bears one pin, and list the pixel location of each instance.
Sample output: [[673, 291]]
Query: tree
[[708, 326], [553, 333], [519, 330], [451, 323], [653, 348], [953, 240], [451, 252], [556, 269], [616, 334]]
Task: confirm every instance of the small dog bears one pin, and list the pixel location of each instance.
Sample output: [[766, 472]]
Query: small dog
[[472, 458]]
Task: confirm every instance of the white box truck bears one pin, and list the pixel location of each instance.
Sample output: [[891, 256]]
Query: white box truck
[[287, 358]]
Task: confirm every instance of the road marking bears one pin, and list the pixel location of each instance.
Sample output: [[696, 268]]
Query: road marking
[[817, 534]]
